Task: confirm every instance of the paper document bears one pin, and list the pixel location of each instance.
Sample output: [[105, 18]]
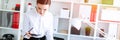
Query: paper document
[[76, 22], [85, 11]]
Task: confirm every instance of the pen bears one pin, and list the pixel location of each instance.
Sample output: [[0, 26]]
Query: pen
[[29, 30]]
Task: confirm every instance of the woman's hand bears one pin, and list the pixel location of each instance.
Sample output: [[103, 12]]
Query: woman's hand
[[28, 34]]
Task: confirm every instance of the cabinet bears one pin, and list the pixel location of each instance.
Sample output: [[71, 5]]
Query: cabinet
[[99, 15], [11, 17]]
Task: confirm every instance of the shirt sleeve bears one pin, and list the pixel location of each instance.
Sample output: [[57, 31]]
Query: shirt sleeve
[[49, 34], [26, 25]]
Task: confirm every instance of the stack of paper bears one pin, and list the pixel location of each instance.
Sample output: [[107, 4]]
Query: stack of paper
[[64, 13]]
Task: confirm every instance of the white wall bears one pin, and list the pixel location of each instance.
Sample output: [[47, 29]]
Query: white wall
[[11, 3], [31, 1]]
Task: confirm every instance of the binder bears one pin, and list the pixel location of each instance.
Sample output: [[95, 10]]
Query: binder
[[15, 20], [93, 13]]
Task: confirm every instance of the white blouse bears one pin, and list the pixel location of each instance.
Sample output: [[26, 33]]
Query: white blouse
[[42, 25]]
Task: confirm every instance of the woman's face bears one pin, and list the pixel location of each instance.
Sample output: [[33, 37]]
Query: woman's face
[[42, 8]]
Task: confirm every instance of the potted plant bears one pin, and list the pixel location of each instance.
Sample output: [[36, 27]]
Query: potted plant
[[87, 30]]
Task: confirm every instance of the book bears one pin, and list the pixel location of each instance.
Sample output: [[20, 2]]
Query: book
[[110, 2]]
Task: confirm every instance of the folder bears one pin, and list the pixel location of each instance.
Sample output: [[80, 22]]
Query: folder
[[93, 13], [15, 20]]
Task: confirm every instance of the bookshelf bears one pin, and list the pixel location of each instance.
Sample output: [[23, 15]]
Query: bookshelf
[[93, 12], [11, 17]]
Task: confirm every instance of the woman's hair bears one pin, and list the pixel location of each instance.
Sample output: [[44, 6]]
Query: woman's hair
[[44, 2]]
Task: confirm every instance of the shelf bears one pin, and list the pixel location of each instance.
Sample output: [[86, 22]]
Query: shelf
[[60, 34], [103, 21], [93, 3], [69, 1], [8, 28], [87, 3], [109, 22], [97, 4], [79, 9], [64, 18], [100, 38], [9, 10], [82, 36], [104, 2]]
